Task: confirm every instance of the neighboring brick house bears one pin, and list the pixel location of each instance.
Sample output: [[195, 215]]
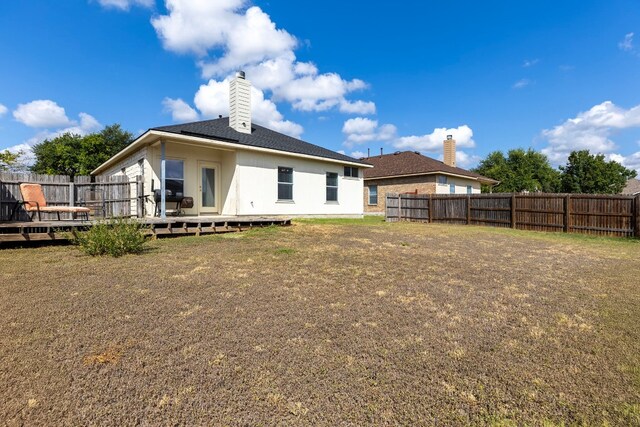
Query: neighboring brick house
[[410, 172]]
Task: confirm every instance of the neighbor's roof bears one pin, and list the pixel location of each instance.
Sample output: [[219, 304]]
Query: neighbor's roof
[[260, 136], [407, 163], [632, 187]]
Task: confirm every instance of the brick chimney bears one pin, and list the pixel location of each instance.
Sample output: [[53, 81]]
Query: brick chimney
[[450, 151], [240, 103]]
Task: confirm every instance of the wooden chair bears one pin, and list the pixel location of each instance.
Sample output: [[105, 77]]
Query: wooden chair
[[34, 202]]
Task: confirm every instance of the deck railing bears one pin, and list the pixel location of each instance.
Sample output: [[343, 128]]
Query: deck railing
[[106, 196]]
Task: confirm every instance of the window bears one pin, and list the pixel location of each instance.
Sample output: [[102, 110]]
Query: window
[[285, 183], [351, 171], [452, 188], [469, 189], [332, 187], [373, 194], [174, 181], [442, 179]]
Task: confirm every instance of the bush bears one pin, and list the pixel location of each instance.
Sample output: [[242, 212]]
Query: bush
[[115, 237]]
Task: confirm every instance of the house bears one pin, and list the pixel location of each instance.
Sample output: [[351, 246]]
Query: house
[[412, 172], [632, 187], [233, 167]]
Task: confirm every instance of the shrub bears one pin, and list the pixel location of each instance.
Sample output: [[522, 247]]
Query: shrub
[[115, 237]]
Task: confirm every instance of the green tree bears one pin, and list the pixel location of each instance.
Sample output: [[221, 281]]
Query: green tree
[[11, 161], [72, 154], [520, 171], [592, 174]]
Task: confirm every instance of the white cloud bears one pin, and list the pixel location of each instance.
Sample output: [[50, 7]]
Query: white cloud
[[125, 4], [212, 99], [464, 160], [631, 161], [432, 142], [3, 110], [360, 130], [86, 124], [228, 35], [590, 130], [530, 62], [180, 110], [522, 83], [627, 43], [358, 154], [357, 107], [41, 114]]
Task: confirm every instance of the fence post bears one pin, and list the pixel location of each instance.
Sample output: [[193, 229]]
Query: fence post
[[567, 213], [140, 205], [468, 210], [430, 208], [636, 216], [513, 210], [72, 194], [399, 207]]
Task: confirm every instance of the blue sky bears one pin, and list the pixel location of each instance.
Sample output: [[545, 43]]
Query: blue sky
[[555, 76]]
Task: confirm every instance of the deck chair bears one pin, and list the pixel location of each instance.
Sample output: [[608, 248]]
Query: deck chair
[[34, 202]]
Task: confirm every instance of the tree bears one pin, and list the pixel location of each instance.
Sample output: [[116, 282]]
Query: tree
[[73, 154], [520, 171], [11, 161], [588, 173]]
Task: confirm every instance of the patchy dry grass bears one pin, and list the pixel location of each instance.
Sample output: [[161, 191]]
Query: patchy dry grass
[[326, 323]]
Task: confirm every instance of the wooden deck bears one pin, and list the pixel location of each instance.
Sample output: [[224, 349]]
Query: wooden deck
[[173, 226]]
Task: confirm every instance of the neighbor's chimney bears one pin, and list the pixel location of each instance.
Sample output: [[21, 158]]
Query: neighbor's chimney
[[450, 151], [240, 103]]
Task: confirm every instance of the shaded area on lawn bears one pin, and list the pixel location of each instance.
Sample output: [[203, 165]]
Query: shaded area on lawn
[[324, 323]]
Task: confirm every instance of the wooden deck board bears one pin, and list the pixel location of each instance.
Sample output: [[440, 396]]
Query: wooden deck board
[[21, 231]]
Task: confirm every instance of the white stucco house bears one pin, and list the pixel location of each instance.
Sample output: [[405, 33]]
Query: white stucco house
[[233, 167]]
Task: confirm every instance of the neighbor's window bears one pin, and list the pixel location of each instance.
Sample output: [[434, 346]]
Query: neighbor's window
[[452, 188], [285, 183], [442, 179], [469, 189], [373, 194], [351, 171], [174, 181], [332, 187]]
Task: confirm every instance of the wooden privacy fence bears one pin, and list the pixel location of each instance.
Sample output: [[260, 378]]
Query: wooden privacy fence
[[570, 213], [106, 197]]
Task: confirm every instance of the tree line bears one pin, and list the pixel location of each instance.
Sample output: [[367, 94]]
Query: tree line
[[530, 171], [70, 154]]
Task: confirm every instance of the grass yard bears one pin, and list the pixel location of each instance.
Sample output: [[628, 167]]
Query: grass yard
[[326, 323]]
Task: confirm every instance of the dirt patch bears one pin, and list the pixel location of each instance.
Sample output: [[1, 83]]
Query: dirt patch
[[326, 323]]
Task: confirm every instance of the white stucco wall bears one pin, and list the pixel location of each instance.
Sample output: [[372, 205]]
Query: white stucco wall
[[460, 184], [257, 187]]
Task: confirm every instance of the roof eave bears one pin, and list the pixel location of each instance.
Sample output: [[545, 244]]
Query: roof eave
[[140, 142]]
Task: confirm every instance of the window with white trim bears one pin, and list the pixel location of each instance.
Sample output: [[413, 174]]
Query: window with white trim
[[285, 183], [469, 189], [442, 179], [174, 180], [332, 187], [373, 194]]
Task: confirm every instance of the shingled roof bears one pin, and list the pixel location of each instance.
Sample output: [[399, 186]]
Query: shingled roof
[[404, 163], [260, 136], [632, 187]]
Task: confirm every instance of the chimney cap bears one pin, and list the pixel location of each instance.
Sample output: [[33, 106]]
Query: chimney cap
[[240, 74], [449, 137]]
